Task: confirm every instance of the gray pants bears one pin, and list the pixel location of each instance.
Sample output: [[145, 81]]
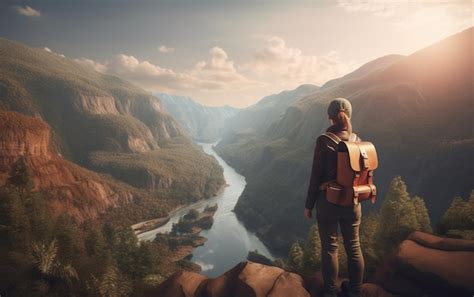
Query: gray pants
[[329, 216]]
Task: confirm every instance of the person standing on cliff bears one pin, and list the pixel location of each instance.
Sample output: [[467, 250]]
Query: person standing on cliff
[[330, 216]]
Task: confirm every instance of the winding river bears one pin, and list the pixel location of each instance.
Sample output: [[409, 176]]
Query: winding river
[[228, 240]]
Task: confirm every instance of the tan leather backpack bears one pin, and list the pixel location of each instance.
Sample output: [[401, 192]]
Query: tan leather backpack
[[356, 162]]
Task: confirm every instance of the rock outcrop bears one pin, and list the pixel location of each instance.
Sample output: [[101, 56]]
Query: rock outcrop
[[424, 265], [245, 279], [70, 188], [428, 265], [248, 279], [97, 105]]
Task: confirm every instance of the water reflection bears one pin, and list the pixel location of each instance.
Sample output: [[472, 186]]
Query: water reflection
[[228, 240]]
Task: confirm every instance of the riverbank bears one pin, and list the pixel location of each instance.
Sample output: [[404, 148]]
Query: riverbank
[[227, 242], [145, 226], [184, 236]]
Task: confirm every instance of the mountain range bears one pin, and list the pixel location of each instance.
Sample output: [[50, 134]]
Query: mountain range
[[416, 109], [104, 124]]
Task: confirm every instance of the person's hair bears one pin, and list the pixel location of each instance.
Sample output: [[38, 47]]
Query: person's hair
[[342, 121]]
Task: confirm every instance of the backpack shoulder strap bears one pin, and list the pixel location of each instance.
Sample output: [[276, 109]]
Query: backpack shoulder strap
[[353, 137], [332, 137]]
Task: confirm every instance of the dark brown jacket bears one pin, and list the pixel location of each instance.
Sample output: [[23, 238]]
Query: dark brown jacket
[[324, 164]]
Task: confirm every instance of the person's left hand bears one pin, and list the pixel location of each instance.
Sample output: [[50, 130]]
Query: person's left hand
[[308, 213]]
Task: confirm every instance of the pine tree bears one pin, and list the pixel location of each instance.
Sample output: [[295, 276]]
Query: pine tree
[[422, 217], [20, 175], [69, 237], [126, 252], [95, 243], [312, 250], [296, 257], [459, 215], [38, 213], [14, 223], [397, 218], [111, 284], [368, 228]]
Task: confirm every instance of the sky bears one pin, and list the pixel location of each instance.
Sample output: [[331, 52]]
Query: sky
[[230, 52]]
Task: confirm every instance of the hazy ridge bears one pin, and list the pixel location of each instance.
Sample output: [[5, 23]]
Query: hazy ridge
[[416, 109]]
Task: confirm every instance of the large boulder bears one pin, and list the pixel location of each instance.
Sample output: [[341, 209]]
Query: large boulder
[[245, 279], [425, 264]]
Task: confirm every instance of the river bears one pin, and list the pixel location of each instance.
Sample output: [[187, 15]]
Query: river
[[228, 240]]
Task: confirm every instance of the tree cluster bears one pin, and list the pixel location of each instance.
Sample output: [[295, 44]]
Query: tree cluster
[[42, 254]]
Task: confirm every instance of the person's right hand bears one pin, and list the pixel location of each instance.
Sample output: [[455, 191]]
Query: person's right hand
[[308, 213]]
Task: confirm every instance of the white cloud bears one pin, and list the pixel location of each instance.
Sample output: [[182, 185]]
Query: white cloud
[[164, 49], [205, 266], [381, 8], [54, 53], [218, 73], [91, 63], [274, 67], [27, 11], [440, 13], [289, 66]]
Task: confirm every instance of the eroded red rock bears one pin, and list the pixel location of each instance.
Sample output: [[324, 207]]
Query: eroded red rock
[[71, 188]]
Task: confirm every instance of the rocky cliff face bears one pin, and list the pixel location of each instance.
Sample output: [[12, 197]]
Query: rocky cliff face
[[203, 123], [104, 123], [70, 188], [84, 108], [424, 265], [97, 104]]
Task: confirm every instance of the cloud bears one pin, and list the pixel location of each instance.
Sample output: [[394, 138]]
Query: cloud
[[273, 67], [278, 62], [91, 63], [54, 53], [218, 73], [27, 11], [381, 8], [164, 49], [411, 10], [205, 266]]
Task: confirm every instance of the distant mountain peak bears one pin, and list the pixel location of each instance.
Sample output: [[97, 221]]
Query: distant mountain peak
[[203, 123]]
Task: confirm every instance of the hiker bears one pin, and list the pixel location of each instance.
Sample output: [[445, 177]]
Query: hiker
[[330, 215]]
